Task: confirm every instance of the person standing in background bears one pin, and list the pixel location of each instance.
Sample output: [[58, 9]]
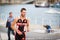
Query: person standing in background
[[8, 24]]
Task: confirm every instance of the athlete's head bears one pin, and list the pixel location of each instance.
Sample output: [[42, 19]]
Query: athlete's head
[[23, 12], [10, 14]]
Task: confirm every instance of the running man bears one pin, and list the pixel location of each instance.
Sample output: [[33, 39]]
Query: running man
[[22, 25]]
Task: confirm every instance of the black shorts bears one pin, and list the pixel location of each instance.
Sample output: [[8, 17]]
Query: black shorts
[[19, 37]]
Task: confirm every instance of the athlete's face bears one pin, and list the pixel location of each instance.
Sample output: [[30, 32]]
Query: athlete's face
[[23, 13]]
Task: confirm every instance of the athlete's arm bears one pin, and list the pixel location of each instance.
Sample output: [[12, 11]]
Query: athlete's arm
[[13, 25], [27, 25]]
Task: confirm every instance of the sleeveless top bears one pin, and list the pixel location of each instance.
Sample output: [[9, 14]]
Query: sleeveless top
[[21, 27]]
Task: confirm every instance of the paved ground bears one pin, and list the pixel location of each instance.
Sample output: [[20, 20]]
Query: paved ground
[[31, 35]]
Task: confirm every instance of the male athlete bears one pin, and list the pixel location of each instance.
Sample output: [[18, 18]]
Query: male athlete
[[22, 25]]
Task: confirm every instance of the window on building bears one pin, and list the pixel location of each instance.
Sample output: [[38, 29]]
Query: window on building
[[51, 1]]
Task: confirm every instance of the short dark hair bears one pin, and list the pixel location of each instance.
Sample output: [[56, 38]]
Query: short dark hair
[[10, 12], [23, 9]]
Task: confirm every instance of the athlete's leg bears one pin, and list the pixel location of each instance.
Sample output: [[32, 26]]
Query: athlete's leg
[[25, 35], [18, 37]]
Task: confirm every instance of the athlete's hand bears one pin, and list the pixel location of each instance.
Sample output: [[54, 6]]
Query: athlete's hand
[[20, 33]]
